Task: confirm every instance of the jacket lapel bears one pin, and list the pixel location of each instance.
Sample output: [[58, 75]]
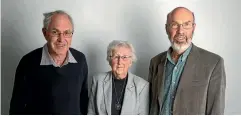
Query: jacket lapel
[[128, 98], [107, 86], [160, 80], [187, 76]]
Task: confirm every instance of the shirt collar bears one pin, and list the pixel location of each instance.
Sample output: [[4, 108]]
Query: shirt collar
[[48, 60]]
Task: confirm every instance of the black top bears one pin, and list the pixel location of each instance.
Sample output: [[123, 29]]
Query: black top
[[118, 90], [45, 89]]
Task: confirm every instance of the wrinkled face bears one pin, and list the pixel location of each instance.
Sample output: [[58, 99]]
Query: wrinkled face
[[180, 29], [121, 60], [59, 34]]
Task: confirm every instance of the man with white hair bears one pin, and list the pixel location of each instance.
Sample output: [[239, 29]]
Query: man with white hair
[[186, 79], [52, 79]]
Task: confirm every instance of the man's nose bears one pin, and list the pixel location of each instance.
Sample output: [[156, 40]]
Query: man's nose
[[61, 37], [180, 29]]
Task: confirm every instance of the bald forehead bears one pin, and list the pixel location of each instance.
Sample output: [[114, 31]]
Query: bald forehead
[[180, 14]]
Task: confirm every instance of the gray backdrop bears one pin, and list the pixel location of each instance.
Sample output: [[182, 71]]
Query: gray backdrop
[[97, 22]]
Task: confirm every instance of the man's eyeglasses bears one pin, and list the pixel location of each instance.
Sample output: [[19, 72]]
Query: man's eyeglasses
[[186, 25], [124, 58], [55, 33]]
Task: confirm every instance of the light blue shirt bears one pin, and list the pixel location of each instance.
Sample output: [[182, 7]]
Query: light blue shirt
[[173, 72], [48, 60]]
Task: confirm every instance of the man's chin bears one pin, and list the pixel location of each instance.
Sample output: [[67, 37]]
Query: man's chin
[[61, 52], [180, 48]]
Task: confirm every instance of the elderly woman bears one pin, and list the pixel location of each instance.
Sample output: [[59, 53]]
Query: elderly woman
[[119, 92]]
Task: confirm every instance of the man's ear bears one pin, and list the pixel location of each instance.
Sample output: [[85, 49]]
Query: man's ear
[[166, 27], [44, 31], [194, 26]]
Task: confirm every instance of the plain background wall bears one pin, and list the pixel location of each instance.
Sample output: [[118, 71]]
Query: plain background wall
[[141, 22]]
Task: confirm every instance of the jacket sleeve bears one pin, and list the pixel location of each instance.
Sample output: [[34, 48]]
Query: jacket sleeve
[[18, 100], [144, 100], [216, 90], [91, 106], [151, 90]]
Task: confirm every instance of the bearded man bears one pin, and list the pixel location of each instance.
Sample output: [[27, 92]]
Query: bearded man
[[186, 79]]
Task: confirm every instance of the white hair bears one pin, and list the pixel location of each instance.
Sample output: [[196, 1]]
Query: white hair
[[119, 43], [49, 15]]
